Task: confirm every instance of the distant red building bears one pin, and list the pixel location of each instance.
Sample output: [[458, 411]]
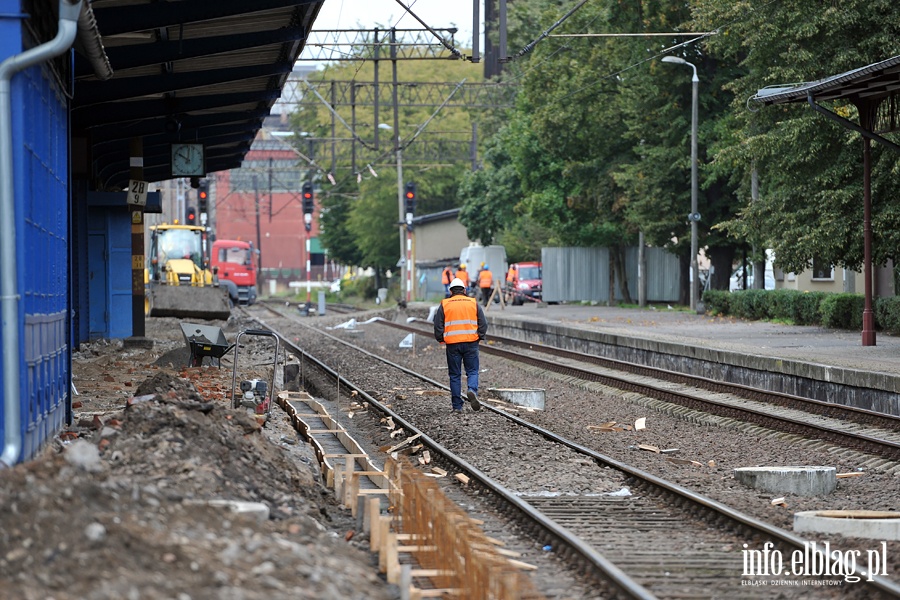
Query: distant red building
[[261, 203]]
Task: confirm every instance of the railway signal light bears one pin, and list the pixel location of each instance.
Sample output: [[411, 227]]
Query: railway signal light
[[190, 217], [203, 196], [410, 197], [308, 204]]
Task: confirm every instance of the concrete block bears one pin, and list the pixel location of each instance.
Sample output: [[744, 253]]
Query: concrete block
[[871, 524], [532, 398], [801, 480]]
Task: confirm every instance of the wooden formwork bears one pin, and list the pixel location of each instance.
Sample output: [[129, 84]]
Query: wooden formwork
[[450, 546], [352, 455], [437, 541]]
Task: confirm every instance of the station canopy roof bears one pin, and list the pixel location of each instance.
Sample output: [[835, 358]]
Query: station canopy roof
[[873, 82], [206, 71]]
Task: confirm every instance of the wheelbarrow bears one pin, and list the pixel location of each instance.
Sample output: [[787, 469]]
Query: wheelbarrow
[[205, 340]]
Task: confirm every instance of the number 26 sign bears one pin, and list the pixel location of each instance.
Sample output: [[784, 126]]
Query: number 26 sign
[[137, 192]]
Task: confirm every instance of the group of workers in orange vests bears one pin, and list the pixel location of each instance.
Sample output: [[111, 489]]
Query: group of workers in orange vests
[[484, 280]]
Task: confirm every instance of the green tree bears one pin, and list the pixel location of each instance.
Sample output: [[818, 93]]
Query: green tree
[[373, 223], [435, 160], [490, 195], [810, 169], [600, 138]]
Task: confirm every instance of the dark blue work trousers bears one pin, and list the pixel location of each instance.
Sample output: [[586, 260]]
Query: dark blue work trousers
[[459, 354]]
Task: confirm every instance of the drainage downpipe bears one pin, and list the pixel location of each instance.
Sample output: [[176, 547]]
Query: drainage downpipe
[[9, 298]]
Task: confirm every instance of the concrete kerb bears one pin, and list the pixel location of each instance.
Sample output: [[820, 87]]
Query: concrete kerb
[[845, 386]]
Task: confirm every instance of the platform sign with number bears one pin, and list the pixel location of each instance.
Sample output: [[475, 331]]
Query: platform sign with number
[[137, 192]]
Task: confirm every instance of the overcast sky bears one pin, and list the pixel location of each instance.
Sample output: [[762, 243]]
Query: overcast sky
[[353, 14]]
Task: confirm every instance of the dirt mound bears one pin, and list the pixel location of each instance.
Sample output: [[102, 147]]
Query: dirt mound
[[119, 506]]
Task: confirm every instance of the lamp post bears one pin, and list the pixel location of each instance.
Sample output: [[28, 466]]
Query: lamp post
[[694, 217]]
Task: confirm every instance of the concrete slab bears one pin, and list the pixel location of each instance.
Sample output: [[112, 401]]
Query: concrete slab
[[799, 480], [531, 398], [871, 524]]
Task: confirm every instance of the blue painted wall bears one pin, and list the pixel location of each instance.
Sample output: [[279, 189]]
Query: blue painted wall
[[109, 267], [41, 172]]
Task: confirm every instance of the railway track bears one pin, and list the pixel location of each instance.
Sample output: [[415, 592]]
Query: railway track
[[667, 541], [341, 309], [857, 429]]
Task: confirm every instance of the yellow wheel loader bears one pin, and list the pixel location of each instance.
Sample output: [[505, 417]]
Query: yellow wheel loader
[[178, 279]]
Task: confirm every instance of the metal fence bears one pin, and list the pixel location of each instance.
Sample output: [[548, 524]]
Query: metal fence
[[582, 275]]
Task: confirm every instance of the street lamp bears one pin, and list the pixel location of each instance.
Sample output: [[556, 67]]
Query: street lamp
[[694, 217]]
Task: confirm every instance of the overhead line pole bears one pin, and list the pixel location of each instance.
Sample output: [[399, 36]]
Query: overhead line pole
[[404, 271]]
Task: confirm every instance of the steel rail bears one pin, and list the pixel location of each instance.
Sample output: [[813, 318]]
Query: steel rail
[[622, 585], [850, 413], [711, 507], [856, 441]]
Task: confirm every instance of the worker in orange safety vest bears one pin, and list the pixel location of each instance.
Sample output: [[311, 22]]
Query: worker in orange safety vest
[[463, 275], [512, 281], [485, 282], [446, 278], [459, 323]]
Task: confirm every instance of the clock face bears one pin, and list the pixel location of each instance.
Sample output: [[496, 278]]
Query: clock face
[[187, 160]]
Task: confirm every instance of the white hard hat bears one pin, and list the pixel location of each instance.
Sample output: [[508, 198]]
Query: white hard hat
[[457, 283]]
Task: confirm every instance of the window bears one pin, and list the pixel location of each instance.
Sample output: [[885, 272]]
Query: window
[[822, 269]]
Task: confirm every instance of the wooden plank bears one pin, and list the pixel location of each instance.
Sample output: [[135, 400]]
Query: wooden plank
[[490, 548], [344, 455], [325, 431], [384, 527], [846, 475], [393, 560], [405, 582], [412, 549], [431, 573], [349, 467], [462, 478], [436, 593], [373, 511], [404, 443], [522, 565]]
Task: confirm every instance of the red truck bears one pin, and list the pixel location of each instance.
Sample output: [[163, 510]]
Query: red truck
[[530, 283], [233, 260]]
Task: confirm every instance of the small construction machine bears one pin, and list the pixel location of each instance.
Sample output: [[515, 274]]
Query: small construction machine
[[178, 279], [256, 394]]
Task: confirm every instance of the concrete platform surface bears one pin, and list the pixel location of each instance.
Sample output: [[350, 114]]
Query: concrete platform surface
[[815, 345]]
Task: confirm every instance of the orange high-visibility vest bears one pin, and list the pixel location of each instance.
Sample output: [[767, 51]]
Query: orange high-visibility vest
[[464, 276], [460, 319], [448, 276], [512, 277], [485, 279]]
